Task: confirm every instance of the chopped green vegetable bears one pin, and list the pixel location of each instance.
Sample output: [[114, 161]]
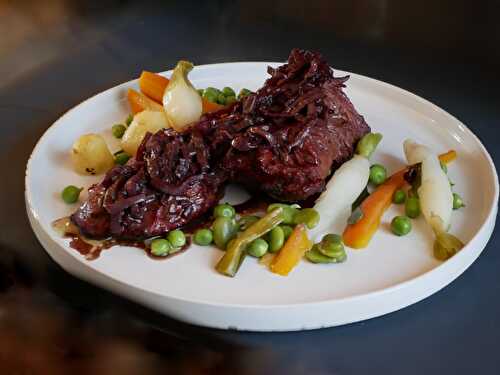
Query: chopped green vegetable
[[221, 99], [289, 212], [367, 145], [129, 120], [378, 174], [315, 256], [121, 158], [331, 245], [230, 99], [287, 230], [412, 207], [457, 201], [401, 225], [230, 263], [228, 91], [203, 237], [243, 93], [177, 238], [361, 197], [70, 194], [118, 130], [200, 91], [160, 247], [247, 221], [224, 210], [211, 94], [307, 216], [276, 239], [224, 229], [257, 248], [399, 196]]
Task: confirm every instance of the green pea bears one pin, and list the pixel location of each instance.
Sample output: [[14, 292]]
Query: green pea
[[160, 247], [412, 207], [243, 93], [121, 158], [224, 210], [307, 216], [378, 174], [200, 91], [288, 212], [221, 99], [457, 201], [177, 238], [287, 230], [230, 99], [276, 239], [118, 130], [228, 91], [399, 196], [331, 245], [203, 237], [211, 94], [224, 229], [257, 248], [247, 221], [70, 194], [401, 225], [315, 256]]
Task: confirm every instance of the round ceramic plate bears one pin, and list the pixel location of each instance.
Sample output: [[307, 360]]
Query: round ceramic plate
[[393, 272]]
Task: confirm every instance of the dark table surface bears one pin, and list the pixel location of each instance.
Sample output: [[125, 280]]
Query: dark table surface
[[54, 54]]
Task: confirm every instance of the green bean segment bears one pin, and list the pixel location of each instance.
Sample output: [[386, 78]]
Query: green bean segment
[[308, 216], [246, 221], [229, 264]]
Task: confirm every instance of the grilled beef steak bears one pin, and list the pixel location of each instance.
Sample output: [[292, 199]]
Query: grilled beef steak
[[284, 140]]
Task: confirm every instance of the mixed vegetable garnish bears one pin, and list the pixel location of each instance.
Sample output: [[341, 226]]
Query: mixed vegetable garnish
[[347, 213]]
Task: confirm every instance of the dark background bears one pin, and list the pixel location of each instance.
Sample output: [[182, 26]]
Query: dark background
[[54, 54]]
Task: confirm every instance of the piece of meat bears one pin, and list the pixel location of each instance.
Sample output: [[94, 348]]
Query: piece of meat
[[284, 140], [169, 183], [289, 136]]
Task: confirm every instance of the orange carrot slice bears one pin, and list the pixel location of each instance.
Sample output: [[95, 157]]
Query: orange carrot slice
[[292, 252], [139, 102]]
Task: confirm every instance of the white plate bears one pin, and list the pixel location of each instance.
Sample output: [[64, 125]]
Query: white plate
[[393, 272]]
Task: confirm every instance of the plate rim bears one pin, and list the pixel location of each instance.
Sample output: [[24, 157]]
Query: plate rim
[[490, 217]]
